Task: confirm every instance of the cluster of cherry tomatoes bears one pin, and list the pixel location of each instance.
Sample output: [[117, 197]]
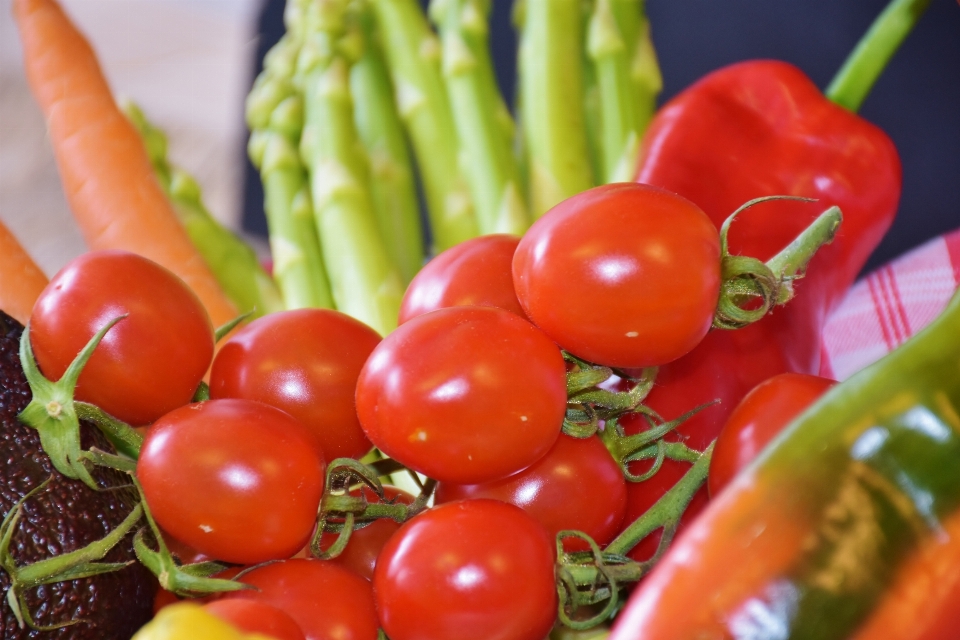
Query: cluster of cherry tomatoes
[[470, 391]]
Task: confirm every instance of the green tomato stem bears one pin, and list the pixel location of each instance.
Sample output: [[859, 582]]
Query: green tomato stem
[[551, 102], [867, 61], [666, 512], [413, 56], [482, 120]]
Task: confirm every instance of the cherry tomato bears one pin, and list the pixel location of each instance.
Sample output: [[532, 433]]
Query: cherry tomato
[[464, 394], [237, 480], [761, 415], [577, 485], [471, 569], [475, 272], [327, 601], [625, 275], [363, 548], [252, 616], [305, 362], [150, 362]]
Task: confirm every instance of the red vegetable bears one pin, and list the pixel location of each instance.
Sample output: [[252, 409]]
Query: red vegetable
[[577, 485], [251, 616], [237, 480], [756, 129], [147, 364], [474, 272], [760, 416], [471, 570], [464, 394], [622, 275], [326, 600], [305, 362]]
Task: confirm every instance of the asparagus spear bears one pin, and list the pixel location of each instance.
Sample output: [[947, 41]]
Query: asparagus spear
[[363, 281], [483, 124], [275, 117], [552, 113], [392, 183], [413, 56], [625, 102], [233, 262]]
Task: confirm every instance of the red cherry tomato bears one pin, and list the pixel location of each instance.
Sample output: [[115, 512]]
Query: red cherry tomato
[[363, 548], [150, 362], [471, 570], [464, 394], [761, 415], [476, 272], [305, 362], [237, 480], [327, 601], [625, 275], [251, 616], [577, 485]]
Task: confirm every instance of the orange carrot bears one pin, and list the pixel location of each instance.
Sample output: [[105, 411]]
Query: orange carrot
[[21, 280], [106, 173]]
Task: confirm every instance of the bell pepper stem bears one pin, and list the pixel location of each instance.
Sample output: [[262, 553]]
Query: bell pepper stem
[[869, 58]]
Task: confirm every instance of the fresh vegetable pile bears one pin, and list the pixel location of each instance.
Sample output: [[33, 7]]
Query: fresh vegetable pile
[[502, 442]]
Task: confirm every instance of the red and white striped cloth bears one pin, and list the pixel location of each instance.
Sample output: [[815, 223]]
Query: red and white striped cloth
[[889, 305]]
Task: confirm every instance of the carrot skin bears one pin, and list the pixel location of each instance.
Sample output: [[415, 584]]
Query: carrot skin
[[21, 280], [106, 173]]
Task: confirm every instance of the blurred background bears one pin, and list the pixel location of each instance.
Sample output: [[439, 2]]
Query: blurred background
[[189, 63]]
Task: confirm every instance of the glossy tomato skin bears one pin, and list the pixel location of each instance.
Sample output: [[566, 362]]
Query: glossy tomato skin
[[361, 553], [760, 416], [327, 601], [252, 616], [577, 485], [472, 570], [625, 275], [237, 480], [306, 362], [464, 394], [150, 362], [475, 272]]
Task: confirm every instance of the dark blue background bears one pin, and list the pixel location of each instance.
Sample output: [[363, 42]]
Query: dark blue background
[[917, 100]]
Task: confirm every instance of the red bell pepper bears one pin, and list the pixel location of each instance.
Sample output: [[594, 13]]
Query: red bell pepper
[[763, 128]]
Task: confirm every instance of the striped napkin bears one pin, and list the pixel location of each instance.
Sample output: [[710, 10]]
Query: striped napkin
[[889, 305]]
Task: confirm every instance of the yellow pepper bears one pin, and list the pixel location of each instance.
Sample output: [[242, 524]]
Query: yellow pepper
[[189, 621]]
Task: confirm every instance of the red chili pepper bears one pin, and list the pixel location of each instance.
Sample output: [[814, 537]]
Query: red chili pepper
[[754, 129]]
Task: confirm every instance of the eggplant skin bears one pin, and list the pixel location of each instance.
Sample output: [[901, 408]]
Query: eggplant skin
[[65, 516]]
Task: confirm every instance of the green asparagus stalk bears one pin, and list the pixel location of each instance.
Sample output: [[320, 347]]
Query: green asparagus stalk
[[364, 283], [552, 113], [413, 56], [275, 117], [233, 262], [392, 184], [625, 103], [480, 115]]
